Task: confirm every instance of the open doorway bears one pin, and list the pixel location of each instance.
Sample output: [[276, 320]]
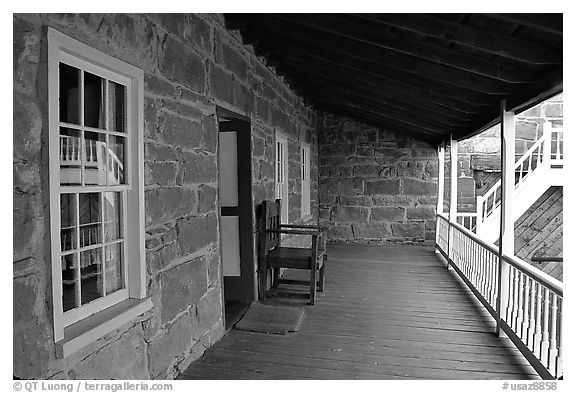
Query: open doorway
[[236, 226]]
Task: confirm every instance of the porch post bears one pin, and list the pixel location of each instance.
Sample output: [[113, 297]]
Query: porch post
[[506, 239], [440, 204], [453, 193]]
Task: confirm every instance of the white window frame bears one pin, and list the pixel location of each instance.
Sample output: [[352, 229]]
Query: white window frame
[[79, 326], [281, 175], [305, 211]]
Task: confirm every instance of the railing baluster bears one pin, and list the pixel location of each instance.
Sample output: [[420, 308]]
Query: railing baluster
[[525, 316], [531, 323], [560, 356], [510, 306], [538, 324], [519, 312], [545, 343], [553, 350]]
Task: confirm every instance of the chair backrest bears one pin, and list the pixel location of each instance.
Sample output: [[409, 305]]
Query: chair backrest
[[271, 216]]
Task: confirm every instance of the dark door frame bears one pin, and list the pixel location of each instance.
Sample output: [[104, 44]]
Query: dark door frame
[[243, 288]]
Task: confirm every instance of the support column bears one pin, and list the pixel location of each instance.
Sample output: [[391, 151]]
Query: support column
[[453, 192], [440, 203], [506, 240]]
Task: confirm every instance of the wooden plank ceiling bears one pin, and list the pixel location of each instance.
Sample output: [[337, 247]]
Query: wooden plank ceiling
[[422, 75]]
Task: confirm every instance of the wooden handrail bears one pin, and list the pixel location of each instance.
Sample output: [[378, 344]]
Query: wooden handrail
[[533, 308]]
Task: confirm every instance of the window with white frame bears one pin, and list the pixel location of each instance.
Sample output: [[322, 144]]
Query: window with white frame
[[305, 180], [281, 175], [96, 180]]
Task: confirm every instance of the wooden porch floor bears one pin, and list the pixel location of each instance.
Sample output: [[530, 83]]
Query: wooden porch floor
[[388, 312]]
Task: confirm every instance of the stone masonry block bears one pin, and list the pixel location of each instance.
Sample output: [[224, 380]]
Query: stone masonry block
[[418, 187], [349, 213], [209, 310], [206, 199], [408, 230], [160, 173], [196, 232], [165, 204], [421, 213], [127, 353], [387, 214], [387, 187], [527, 130], [164, 348], [371, 230], [197, 168], [340, 231], [359, 200], [182, 286]]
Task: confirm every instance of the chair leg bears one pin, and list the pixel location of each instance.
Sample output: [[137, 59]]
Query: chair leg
[[276, 277], [312, 286], [321, 286]]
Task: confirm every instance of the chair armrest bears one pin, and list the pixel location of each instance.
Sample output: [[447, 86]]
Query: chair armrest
[[295, 232], [301, 226]]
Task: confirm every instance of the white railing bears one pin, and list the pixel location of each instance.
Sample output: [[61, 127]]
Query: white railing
[[71, 155], [547, 152], [467, 220], [526, 303]]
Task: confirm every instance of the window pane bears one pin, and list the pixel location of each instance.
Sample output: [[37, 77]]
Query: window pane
[[69, 281], [114, 268], [116, 160], [69, 96], [94, 100], [70, 157], [92, 285], [112, 216], [90, 219], [68, 222], [95, 162], [117, 108]]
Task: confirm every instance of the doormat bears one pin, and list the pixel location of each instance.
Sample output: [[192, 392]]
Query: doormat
[[271, 319]]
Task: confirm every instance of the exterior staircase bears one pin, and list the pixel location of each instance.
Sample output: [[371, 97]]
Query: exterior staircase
[[539, 168]]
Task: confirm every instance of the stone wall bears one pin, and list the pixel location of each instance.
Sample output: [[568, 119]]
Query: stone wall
[[192, 64], [375, 186]]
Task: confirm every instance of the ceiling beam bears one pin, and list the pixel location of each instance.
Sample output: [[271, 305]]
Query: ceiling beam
[[404, 90], [346, 72], [471, 37], [428, 127], [386, 97], [389, 42], [370, 118], [550, 23], [390, 64], [370, 100]]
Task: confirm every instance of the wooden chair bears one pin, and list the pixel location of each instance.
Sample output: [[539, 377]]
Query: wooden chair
[[274, 255]]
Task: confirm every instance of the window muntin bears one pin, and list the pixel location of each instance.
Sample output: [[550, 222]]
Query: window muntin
[[281, 175], [305, 180]]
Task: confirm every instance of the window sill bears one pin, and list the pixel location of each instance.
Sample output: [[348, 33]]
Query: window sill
[[86, 331], [307, 219]]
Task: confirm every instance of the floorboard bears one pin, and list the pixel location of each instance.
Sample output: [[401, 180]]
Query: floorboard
[[387, 312]]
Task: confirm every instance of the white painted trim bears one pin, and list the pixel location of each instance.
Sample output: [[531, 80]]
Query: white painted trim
[[89, 330], [305, 208], [284, 184], [67, 50]]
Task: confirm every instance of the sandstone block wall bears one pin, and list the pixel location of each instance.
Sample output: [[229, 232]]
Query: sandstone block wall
[[192, 64], [375, 186]]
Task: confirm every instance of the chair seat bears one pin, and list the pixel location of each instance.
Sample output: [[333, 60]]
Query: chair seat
[[293, 257]]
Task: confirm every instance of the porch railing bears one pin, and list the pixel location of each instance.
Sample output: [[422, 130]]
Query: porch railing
[[546, 152], [526, 303]]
